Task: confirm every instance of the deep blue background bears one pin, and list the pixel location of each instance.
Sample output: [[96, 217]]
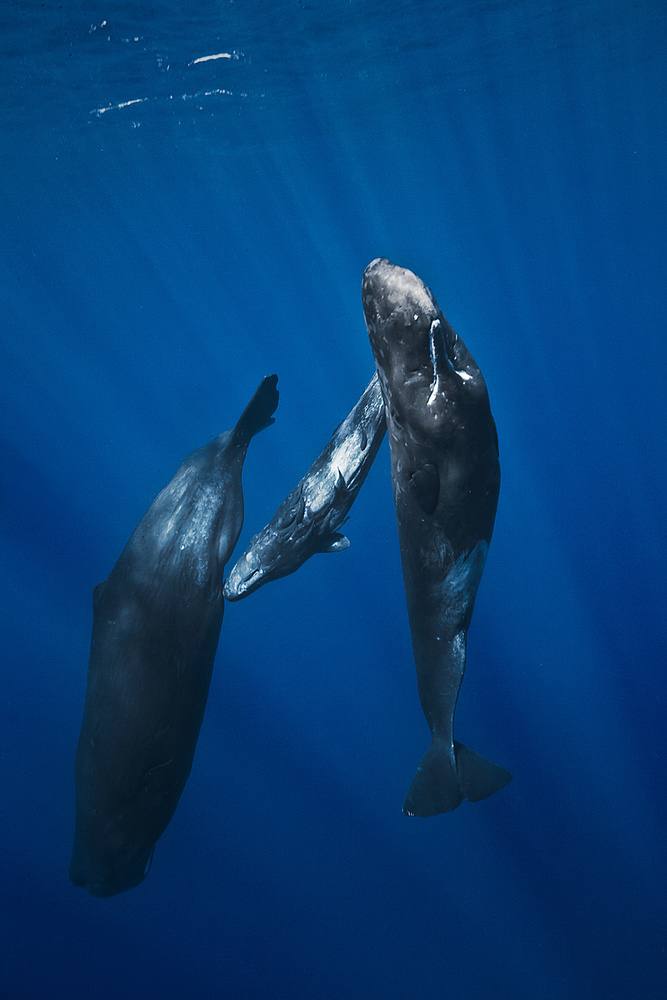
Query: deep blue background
[[157, 259]]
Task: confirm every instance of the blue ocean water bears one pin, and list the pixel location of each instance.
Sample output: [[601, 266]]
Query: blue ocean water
[[190, 194]]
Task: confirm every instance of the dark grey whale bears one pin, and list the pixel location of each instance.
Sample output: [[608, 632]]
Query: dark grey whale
[[308, 519], [156, 624], [446, 479]]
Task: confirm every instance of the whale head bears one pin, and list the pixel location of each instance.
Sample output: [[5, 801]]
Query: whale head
[[103, 873], [427, 374], [248, 573], [399, 310]]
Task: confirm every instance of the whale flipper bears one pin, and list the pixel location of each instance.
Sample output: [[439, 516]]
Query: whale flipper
[[336, 542]]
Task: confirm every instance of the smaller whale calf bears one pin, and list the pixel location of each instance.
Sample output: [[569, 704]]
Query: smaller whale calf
[[156, 624], [308, 519]]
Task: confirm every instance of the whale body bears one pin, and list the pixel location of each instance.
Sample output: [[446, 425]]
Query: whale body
[[308, 519], [446, 480], [156, 624]]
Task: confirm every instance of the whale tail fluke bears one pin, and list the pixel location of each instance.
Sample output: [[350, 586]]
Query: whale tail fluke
[[444, 779], [435, 787], [258, 414], [478, 777]]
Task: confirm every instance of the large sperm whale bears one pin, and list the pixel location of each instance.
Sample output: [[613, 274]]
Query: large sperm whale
[[156, 624], [446, 479]]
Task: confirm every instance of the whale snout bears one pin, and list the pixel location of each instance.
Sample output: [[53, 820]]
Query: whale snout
[[101, 873], [107, 883], [376, 277], [394, 298], [399, 310], [244, 578]]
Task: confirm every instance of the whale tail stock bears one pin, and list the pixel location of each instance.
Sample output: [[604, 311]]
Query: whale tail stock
[[441, 783], [258, 414]]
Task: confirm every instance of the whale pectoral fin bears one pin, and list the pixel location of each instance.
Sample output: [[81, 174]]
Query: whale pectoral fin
[[424, 487], [335, 542], [478, 777], [341, 486]]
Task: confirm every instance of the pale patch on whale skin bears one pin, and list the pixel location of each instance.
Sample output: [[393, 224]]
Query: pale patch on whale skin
[[462, 581]]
